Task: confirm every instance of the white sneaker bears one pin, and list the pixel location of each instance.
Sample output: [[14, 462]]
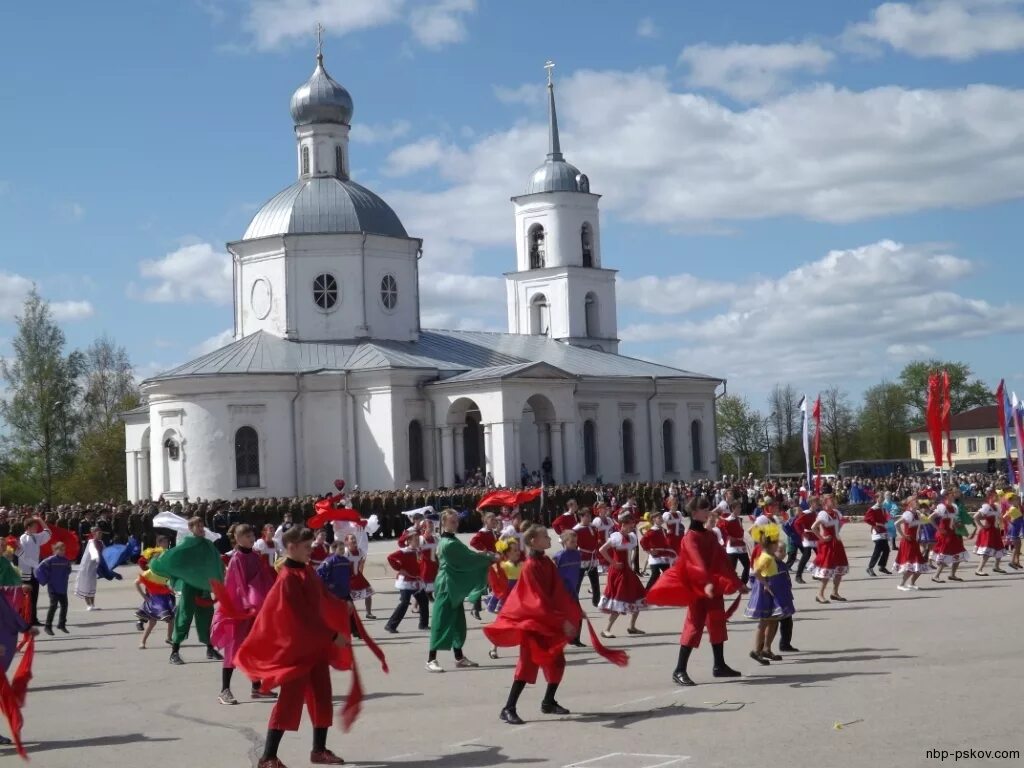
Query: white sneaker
[[433, 666], [465, 663], [89, 608], [914, 587], [902, 588]]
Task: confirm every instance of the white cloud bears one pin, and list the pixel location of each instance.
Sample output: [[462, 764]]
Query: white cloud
[[381, 133], [751, 72], [433, 23], [662, 156], [73, 210], [647, 28], [832, 317], [674, 294], [213, 343], [462, 302], [528, 94], [13, 290], [274, 22], [71, 310], [196, 272], [948, 29], [441, 23]]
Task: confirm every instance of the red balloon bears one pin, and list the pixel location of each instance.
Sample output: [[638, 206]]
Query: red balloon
[[339, 484]]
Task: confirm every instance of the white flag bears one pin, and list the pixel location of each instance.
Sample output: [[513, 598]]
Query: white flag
[[807, 442]]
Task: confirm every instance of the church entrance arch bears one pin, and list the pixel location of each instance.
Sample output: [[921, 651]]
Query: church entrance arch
[[470, 451], [537, 446]]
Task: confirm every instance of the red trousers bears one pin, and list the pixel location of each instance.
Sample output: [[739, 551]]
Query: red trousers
[[526, 668], [315, 690], [706, 612]]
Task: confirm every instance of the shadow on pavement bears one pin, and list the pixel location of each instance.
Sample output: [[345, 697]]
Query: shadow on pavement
[[34, 747], [803, 681], [481, 758], [71, 686], [378, 695]]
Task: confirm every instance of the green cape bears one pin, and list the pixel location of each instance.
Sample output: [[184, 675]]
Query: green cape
[[462, 575], [194, 562], [9, 575]]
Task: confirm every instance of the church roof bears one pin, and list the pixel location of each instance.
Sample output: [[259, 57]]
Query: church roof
[[458, 355], [325, 205]]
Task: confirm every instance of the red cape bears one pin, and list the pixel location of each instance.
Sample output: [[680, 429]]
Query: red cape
[[327, 512], [535, 613], [701, 561], [71, 545], [12, 693], [295, 631], [508, 498]]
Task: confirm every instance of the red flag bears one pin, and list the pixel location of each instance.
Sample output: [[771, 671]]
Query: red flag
[[508, 498], [327, 512], [933, 417], [71, 545], [946, 406], [816, 413]]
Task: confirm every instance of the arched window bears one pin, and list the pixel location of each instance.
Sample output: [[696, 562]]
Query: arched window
[[589, 448], [587, 241], [535, 240], [668, 444], [416, 451], [247, 458], [172, 448], [305, 161], [628, 454], [540, 318], [325, 291], [339, 162], [591, 316], [389, 291], [695, 445]]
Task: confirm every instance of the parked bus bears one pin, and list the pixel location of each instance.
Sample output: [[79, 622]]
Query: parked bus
[[880, 467]]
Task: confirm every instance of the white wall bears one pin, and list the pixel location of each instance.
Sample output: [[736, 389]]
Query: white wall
[[562, 215], [290, 264]]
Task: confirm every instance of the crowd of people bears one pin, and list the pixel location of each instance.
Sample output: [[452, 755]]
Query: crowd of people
[[281, 602]]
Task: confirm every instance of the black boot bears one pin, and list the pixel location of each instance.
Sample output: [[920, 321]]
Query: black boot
[[786, 633], [549, 706], [509, 714], [679, 677], [212, 654], [721, 669]]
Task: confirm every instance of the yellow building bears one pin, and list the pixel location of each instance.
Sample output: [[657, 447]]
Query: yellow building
[[975, 444]]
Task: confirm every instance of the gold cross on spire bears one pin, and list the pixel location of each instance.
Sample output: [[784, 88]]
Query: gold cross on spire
[[319, 40], [549, 65]]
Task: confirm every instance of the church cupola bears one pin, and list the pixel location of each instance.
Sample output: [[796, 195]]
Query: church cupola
[[322, 111], [559, 288]]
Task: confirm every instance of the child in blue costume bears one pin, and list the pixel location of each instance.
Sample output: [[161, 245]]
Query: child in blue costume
[[771, 595]]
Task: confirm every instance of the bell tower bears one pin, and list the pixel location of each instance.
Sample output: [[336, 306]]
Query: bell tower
[[559, 288]]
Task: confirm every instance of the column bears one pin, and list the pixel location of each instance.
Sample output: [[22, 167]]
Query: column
[[144, 470], [557, 462], [501, 455], [447, 457], [131, 461], [460, 452], [572, 469], [517, 455], [488, 452]]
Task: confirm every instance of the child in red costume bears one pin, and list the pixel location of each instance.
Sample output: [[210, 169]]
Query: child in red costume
[[300, 633], [540, 616], [699, 579]]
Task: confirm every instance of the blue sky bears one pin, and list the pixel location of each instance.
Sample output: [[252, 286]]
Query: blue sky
[[801, 191]]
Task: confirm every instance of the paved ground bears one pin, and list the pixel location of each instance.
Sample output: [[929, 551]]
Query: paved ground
[[901, 674]]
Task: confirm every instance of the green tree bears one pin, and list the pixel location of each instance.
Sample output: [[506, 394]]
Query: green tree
[[109, 384], [838, 425], [964, 392], [41, 407], [740, 433], [98, 470], [786, 420], [883, 422]]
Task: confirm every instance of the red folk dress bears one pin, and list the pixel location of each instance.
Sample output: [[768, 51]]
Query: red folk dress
[[990, 537], [623, 591], [909, 556], [830, 558], [949, 546]]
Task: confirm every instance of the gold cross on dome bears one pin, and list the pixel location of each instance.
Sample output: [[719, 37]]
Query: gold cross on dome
[[319, 39], [549, 65]]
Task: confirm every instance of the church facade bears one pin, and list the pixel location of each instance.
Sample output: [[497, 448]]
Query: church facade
[[330, 374]]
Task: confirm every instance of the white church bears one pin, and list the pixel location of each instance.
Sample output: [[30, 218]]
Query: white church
[[331, 375]]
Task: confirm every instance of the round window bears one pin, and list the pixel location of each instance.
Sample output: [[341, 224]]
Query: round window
[[389, 291], [325, 291]]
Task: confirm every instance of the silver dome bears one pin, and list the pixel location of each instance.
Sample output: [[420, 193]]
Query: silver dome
[[555, 176], [325, 205], [321, 99]]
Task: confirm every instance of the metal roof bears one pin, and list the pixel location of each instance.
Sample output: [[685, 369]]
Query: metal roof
[[465, 354], [499, 372], [325, 205], [321, 99]]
